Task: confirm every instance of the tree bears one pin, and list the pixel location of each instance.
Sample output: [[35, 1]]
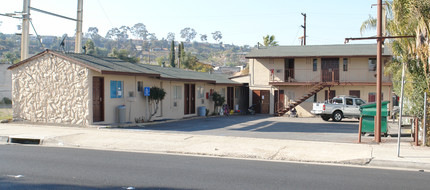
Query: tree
[[217, 99], [217, 36], [179, 54], [155, 96], [120, 34], [124, 55], [161, 60], [93, 33], [170, 36], [172, 54], [269, 40], [11, 57], [203, 37], [408, 17], [139, 30], [188, 34], [90, 48]]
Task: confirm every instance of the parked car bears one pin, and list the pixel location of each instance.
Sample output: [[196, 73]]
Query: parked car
[[338, 108]]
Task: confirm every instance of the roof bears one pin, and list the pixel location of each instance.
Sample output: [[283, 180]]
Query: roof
[[344, 50], [111, 65]]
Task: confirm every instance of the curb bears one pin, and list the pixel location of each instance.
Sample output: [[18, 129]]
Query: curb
[[400, 164]]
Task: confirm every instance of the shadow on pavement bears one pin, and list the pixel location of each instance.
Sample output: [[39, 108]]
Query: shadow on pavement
[[252, 123]]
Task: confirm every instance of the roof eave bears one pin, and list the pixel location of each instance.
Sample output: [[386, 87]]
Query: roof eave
[[313, 56], [128, 73]]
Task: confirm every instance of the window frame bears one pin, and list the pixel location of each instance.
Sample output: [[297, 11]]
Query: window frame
[[177, 92], [116, 89], [372, 64], [315, 65], [140, 86], [345, 64]]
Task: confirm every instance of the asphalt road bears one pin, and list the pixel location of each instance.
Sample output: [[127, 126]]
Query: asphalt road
[[33, 167], [264, 126]]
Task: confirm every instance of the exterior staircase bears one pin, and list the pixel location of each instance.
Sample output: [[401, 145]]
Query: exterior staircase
[[315, 89]]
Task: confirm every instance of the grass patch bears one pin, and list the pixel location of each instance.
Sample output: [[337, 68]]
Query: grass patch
[[5, 113]]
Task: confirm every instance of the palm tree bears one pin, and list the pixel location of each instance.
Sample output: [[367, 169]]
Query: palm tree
[[411, 17], [269, 40]]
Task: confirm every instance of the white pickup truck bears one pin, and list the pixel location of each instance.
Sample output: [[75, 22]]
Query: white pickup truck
[[338, 108]]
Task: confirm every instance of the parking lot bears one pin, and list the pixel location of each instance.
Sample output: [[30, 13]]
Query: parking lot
[[264, 126]]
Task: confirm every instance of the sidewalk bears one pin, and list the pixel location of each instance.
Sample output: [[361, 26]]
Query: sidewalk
[[367, 154]]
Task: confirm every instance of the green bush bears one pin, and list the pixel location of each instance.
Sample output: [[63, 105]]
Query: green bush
[[7, 101]]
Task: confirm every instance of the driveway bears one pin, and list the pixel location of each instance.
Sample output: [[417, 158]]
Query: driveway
[[264, 126]]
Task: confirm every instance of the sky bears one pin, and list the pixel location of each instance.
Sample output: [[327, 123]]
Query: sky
[[241, 22]]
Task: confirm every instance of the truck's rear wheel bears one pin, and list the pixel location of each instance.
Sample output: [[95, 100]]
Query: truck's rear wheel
[[325, 118], [337, 116]]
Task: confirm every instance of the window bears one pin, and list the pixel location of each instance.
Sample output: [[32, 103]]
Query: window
[[349, 101], [372, 64], [372, 97], [200, 92], [359, 102], [315, 65], [177, 92], [345, 64], [355, 93], [337, 101], [140, 86], [116, 89]]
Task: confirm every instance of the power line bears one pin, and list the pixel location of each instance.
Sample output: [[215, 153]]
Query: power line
[[104, 12]]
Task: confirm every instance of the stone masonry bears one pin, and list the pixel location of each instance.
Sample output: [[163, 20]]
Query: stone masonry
[[51, 90]]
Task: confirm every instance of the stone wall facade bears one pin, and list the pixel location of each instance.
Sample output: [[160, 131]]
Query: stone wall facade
[[51, 90]]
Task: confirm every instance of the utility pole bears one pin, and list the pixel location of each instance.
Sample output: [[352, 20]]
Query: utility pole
[[379, 40], [25, 29], [78, 37], [304, 29]]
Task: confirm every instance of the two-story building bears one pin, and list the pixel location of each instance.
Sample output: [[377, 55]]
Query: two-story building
[[282, 77]]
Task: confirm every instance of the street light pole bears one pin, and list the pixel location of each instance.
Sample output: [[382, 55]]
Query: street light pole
[[401, 110]]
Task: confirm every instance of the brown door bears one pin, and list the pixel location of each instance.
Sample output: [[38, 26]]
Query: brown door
[[98, 102], [261, 98], [279, 100], [189, 98], [192, 98], [256, 101], [330, 69], [230, 98]]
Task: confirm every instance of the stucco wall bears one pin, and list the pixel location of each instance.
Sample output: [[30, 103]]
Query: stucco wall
[[169, 108], [51, 90], [5, 81], [358, 70]]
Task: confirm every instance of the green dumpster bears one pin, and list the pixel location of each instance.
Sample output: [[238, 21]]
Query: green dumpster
[[368, 113]]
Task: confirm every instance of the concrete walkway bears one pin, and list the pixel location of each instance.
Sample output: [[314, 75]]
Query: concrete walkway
[[368, 154]]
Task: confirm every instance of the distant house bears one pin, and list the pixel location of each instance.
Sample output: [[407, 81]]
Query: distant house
[[226, 70], [68, 88], [283, 77]]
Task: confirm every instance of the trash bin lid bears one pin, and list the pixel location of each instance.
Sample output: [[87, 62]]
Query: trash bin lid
[[370, 109]]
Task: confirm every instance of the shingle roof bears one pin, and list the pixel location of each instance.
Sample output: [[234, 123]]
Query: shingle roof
[[347, 50], [110, 65]]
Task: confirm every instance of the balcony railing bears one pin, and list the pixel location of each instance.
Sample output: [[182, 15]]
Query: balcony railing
[[333, 75]]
